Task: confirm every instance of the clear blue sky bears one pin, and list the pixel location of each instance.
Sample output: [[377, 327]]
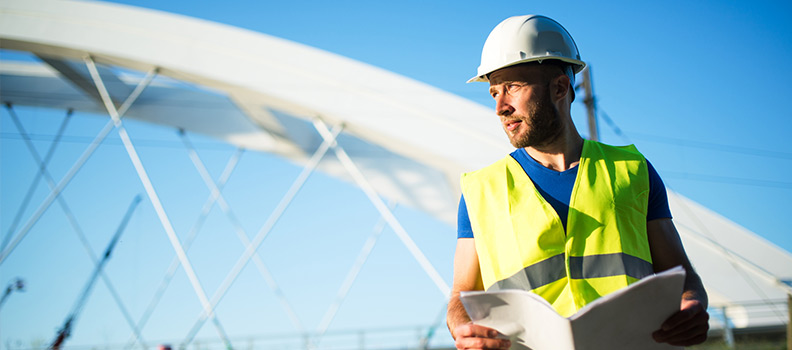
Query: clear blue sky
[[698, 86]]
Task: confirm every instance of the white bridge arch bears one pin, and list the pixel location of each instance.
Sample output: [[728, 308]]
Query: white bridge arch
[[399, 140]]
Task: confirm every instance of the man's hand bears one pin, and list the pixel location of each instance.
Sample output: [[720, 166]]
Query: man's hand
[[471, 336], [687, 327], [467, 276]]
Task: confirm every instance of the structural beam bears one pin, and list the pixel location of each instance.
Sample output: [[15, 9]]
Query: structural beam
[[71, 319], [79, 76], [240, 231], [152, 193], [276, 214], [365, 251], [738, 261], [591, 104], [789, 321], [196, 227], [89, 151], [34, 184], [394, 224], [43, 172]]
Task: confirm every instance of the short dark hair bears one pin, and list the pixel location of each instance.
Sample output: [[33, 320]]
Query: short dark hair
[[563, 68]]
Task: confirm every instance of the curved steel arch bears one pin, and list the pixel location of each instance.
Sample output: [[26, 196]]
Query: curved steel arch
[[273, 89]]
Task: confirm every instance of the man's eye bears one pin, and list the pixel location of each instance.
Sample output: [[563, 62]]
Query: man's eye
[[513, 87]]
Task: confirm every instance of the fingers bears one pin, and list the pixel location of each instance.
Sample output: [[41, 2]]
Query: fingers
[[688, 310], [686, 334], [471, 336], [689, 326], [482, 343]]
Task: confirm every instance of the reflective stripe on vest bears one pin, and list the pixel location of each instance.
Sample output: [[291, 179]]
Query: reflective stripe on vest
[[521, 242], [580, 267]]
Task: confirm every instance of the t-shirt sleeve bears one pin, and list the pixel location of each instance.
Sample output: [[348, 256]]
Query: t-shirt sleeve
[[658, 198], [464, 230]]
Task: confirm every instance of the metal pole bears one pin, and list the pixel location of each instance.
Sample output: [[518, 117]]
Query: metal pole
[[77, 166], [65, 331], [738, 261], [241, 233], [728, 334], [368, 189], [37, 179], [789, 322], [268, 225], [365, 251], [362, 340], [16, 284], [591, 104], [43, 172], [152, 194], [439, 321], [230, 166]]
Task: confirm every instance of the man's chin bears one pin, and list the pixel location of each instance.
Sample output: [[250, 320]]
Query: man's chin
[[517, 140], [525, 143], [519, 143]]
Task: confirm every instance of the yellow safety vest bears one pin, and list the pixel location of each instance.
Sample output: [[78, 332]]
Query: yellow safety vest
[[521, 243]]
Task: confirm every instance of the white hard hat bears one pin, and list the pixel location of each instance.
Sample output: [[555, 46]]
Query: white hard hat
[[529, 38]]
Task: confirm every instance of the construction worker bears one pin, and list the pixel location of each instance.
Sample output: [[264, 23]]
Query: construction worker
[[567, 218]]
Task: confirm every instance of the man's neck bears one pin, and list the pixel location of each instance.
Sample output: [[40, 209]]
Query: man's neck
[[560, 155]]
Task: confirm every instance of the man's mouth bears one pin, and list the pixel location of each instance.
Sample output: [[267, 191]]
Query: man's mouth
[[512, 124]]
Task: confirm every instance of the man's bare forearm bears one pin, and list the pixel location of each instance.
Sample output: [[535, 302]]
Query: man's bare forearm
[[456, 315], [694, 288]]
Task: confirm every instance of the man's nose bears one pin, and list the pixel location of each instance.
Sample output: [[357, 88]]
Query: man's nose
[[503, 105]]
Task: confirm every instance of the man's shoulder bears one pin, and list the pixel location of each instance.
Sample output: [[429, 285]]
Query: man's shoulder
[[626, 152], [497, 165]]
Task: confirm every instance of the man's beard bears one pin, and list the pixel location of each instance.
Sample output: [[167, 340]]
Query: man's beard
[[543, 124]]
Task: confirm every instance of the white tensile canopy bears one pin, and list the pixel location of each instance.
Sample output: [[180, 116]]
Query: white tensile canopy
[[285, 97]]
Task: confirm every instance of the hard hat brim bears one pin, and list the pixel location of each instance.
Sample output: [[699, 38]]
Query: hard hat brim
[[578, 66]]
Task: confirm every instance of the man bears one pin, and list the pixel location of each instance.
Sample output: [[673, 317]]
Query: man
[[566, 218]]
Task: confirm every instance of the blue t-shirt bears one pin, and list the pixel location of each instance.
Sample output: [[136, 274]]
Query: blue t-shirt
[[556, 188]]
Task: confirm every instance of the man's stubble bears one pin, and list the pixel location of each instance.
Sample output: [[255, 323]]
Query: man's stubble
[[543, 123]]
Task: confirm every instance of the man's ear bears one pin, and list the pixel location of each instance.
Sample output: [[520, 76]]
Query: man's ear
[[560, 87]]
